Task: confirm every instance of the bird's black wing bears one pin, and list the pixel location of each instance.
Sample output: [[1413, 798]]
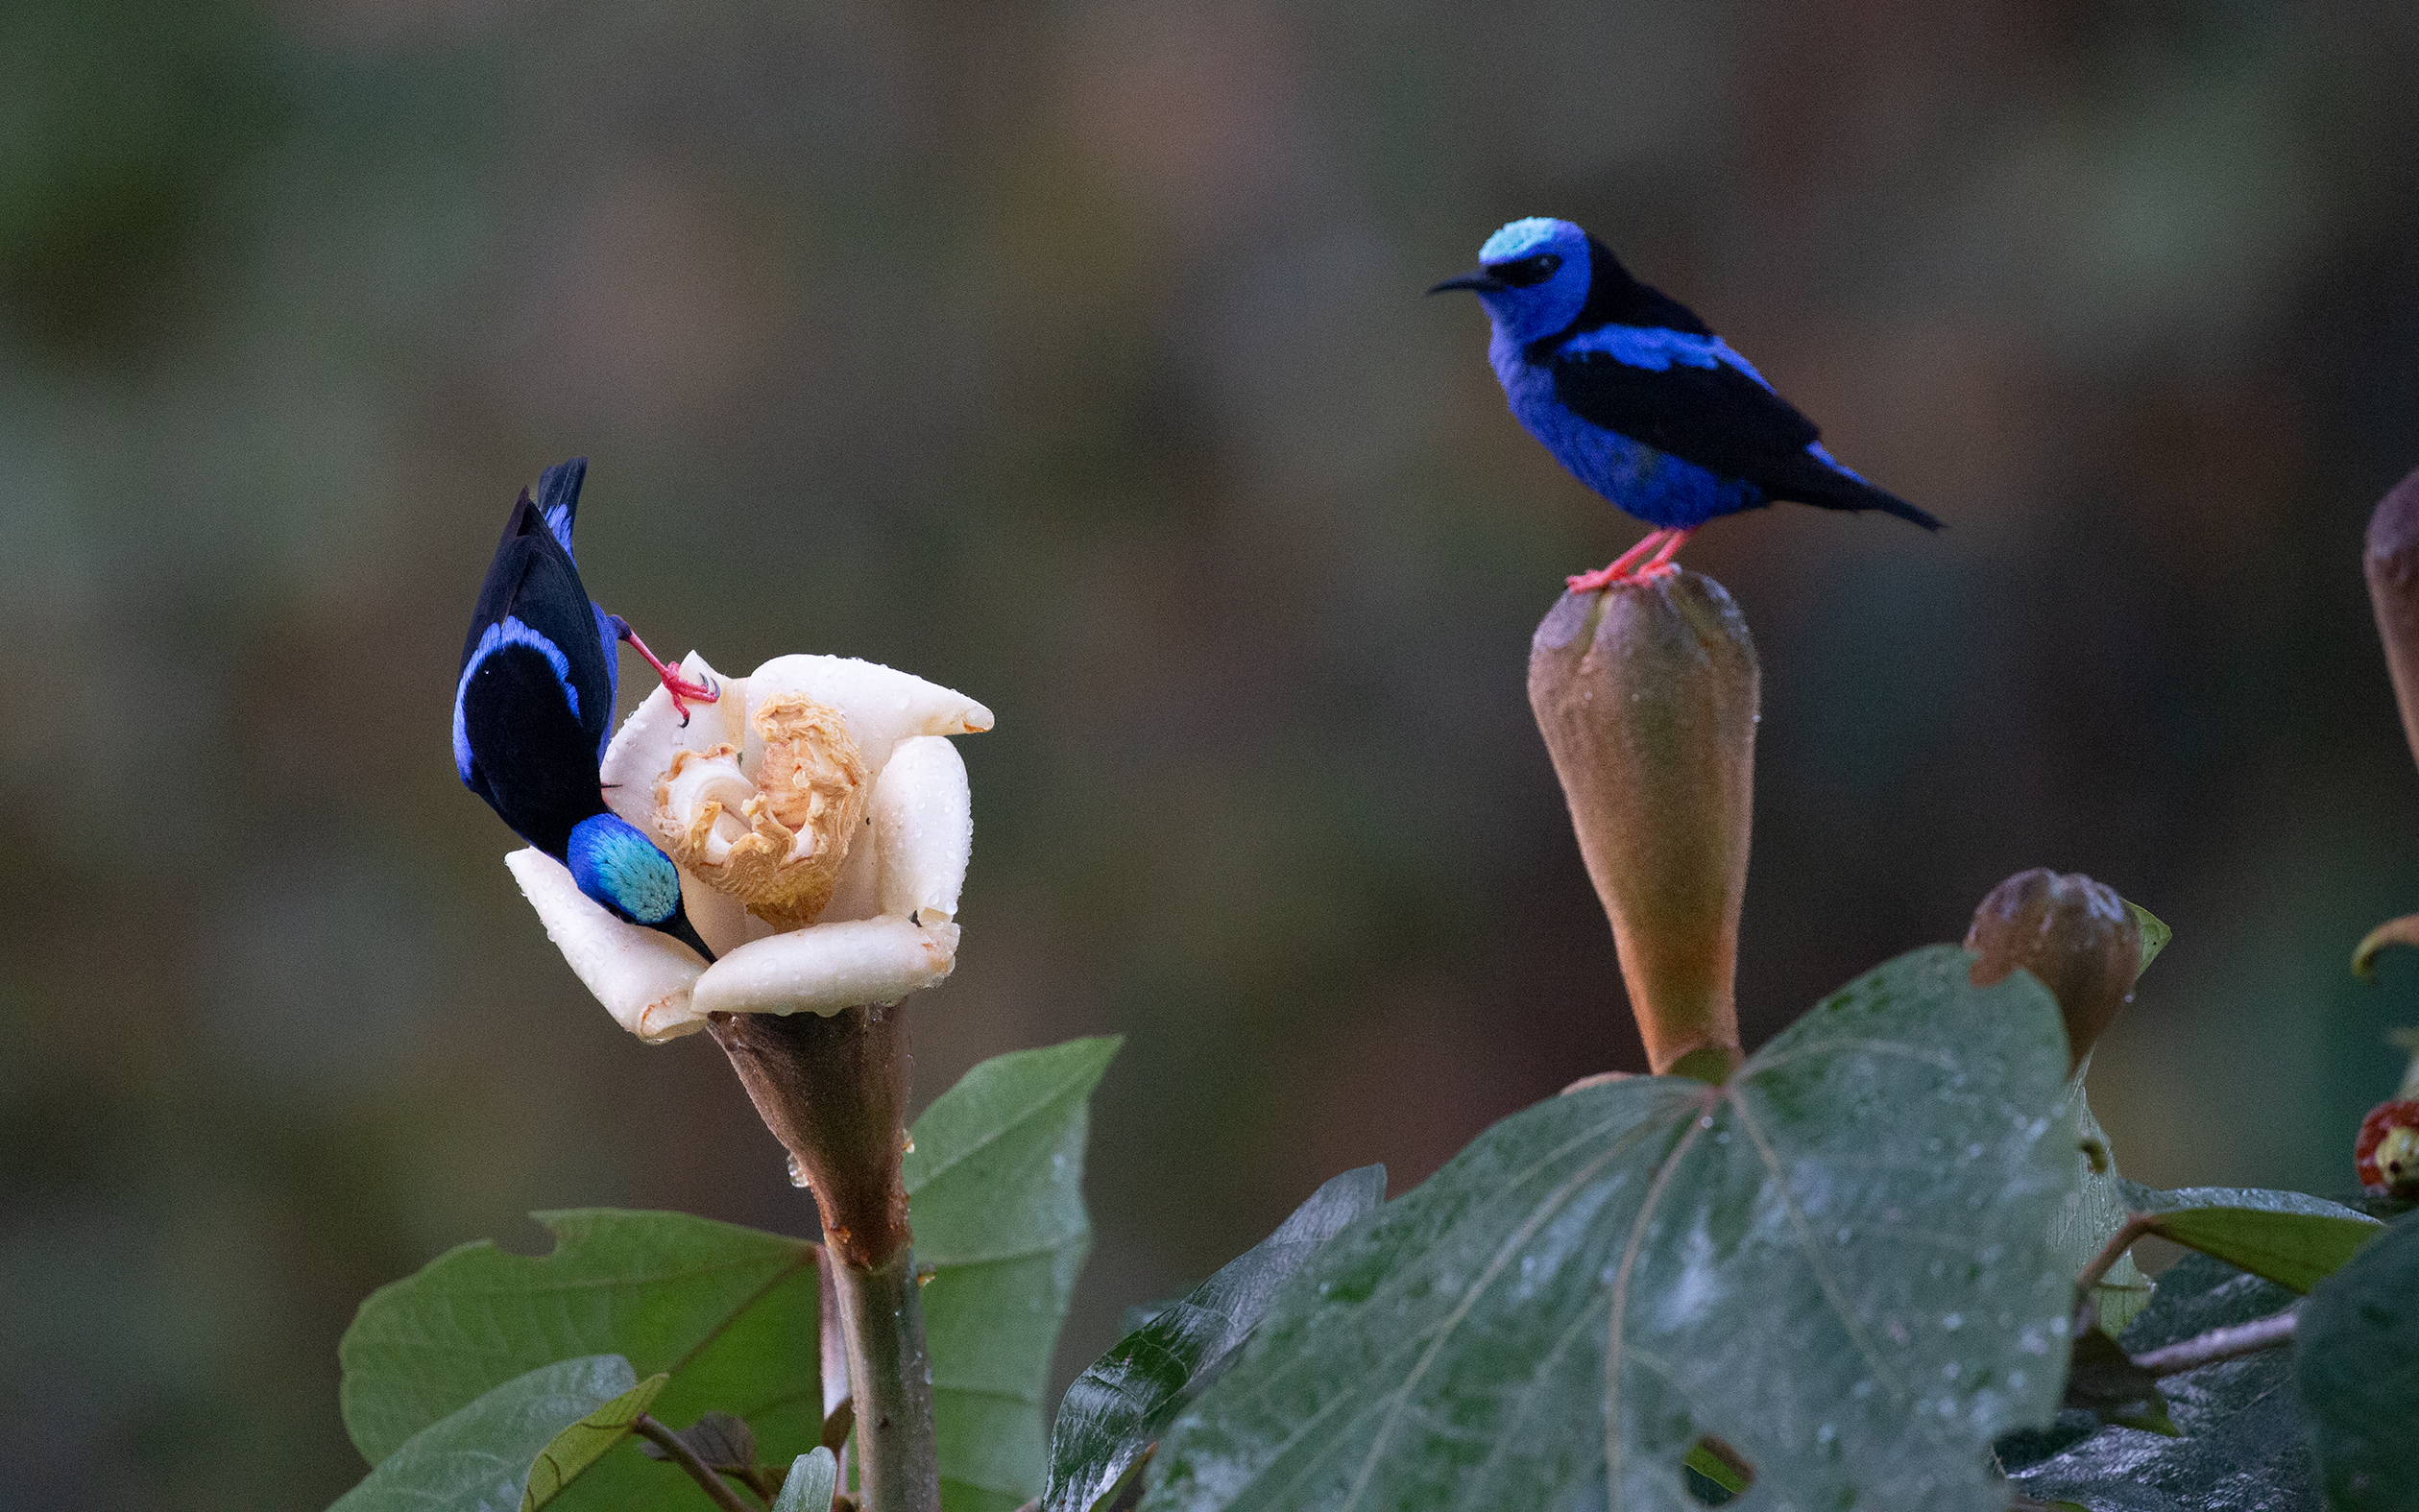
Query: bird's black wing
[[1722, 419], [1716, 417], [529, 729]]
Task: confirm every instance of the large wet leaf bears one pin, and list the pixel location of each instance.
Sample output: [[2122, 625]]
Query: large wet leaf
[[728, 1313], [2288, 1238], [1118, 1409], [2356, 1365], [478, 1457], [1838, 1264], [995, 1187], [2241, 1447]]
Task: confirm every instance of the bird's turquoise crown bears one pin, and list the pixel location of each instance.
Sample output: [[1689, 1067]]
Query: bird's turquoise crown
[[1519, 239]]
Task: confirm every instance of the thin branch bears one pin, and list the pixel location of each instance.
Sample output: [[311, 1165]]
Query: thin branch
[[676, 1449], [2219, 1344]]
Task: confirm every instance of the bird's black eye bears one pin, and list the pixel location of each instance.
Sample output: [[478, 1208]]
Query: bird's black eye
[[1527, 271]]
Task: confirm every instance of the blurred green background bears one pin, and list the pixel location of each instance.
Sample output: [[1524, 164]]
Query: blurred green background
[[1073, 355]]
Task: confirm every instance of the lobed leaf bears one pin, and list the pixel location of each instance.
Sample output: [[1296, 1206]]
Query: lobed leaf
[[1118, 1409], [478, 1457], [2356, 1367], [1837, 1264], [727, 1313]]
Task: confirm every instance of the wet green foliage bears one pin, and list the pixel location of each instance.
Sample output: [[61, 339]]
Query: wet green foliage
[[1837, 1264], [2356, 1365], [1114, 1411], [480, 1457], [2239, 1443], [727, 1315]]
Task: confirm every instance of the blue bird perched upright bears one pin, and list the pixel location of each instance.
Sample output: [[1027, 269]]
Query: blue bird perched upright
[[534, 710], [1641, 400]]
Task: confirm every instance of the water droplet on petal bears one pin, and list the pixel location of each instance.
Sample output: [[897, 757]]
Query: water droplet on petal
[[797, 1172]]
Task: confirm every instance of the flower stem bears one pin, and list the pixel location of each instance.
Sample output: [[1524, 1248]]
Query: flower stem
[[883, 1321], [833, 1089]]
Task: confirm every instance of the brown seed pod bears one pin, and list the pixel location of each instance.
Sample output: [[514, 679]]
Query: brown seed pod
[[1646, 693], [2074, 934]]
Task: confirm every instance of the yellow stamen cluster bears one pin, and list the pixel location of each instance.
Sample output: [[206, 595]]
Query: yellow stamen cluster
[[776, 842]]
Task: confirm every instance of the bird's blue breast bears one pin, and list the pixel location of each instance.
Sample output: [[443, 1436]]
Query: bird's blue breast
[[1653, 485]]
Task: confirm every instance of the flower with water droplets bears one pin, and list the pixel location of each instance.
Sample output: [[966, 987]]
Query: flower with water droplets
[[822, 823]]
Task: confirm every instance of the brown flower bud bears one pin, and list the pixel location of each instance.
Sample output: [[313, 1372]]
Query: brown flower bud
[[2393, 565], [1646, 692], [2074, 934]]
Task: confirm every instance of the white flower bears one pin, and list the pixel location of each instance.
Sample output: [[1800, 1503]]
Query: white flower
[[887, 799]]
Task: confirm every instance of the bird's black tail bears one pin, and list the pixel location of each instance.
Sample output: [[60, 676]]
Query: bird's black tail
[[1826, 485]]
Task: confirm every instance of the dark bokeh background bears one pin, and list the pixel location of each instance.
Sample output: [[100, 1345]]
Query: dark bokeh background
[[1073, 355]]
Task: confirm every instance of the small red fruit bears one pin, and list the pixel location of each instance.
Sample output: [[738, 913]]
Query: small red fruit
[[2389, 1151]]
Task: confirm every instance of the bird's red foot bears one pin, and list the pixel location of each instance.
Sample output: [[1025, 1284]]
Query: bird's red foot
[[678, 686], [1662, 565], [1660, 543]]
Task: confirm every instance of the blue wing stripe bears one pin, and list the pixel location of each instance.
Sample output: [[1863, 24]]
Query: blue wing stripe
[[509, 631], [1656, 349]]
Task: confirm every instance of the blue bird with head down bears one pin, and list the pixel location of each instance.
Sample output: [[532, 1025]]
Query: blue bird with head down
[[1641, 400], [533, 710]]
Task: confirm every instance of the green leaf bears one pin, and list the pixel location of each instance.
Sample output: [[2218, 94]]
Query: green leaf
[[585, 1442], [812, 1477], [995, 1188], [2291, 1238], [1118, 1408], [728, 1313], [2243, 1445], [1837, 1264], [478, 1457], [2356, 1361], [2154, 934]]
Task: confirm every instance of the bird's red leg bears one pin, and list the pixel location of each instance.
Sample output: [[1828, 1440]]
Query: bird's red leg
[[674, 683], [1663, 562], [1619, 567]]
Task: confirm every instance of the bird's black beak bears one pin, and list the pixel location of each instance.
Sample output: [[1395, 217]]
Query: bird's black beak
[[680, 928], [1479, 282]]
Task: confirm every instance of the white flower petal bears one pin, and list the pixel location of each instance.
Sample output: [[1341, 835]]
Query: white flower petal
[[825, 968], [858, 896], [883, 705], [720, 919], [644, 979], [642, 749], [924, 829]]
